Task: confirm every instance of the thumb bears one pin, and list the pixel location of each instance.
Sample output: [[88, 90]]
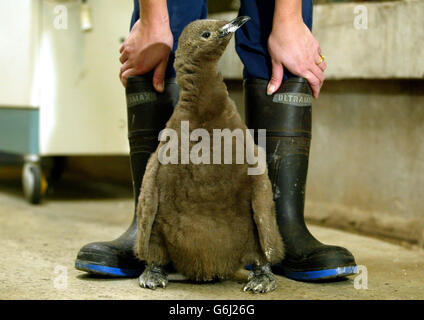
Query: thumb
[[276, 78], [159, 76]]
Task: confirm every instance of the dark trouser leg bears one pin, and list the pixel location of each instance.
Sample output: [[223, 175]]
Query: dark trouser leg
[[286, 116]]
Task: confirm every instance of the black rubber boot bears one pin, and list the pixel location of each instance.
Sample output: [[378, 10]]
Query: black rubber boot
[[286, 115], [148, 112]]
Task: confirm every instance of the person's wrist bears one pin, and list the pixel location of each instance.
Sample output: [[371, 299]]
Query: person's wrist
[[154, 32], [154, 28], [156, 21], [286, 23]]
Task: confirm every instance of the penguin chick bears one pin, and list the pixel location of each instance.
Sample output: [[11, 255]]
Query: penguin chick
[[210, 220]]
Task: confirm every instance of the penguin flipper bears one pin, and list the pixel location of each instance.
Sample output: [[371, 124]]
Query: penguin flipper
[[147, 207], [265, 218]]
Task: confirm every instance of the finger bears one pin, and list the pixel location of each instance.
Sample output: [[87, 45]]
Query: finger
[[127, 65], [313, 82], [319, 60], [120, 74], [124, 56], [126, 74], [323, 66], [122, 79], [122, 47], [276, 78], [159, 76], [318, 73]]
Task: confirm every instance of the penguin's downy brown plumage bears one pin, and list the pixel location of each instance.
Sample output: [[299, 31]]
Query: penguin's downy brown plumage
[[208, 219]]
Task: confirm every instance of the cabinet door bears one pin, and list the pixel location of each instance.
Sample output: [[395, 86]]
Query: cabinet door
[[82, 102], [19, 35]]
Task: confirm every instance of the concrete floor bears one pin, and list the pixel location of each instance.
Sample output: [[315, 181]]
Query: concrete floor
[[39, 245]]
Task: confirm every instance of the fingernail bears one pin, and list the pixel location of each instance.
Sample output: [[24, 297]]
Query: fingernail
[[160, 86], [270, 90]]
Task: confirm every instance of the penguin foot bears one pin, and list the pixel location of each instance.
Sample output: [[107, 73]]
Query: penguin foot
[[153, 277], [261, 280]]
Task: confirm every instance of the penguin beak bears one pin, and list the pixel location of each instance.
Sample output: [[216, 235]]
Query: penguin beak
[[232, 26]]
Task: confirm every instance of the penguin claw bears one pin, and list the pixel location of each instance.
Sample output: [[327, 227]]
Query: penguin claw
[[153, 277], [259, 288], [260, 282]]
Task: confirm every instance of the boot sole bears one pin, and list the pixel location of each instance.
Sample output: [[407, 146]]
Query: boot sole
[[326, 274], [317, 275], [106, 270]]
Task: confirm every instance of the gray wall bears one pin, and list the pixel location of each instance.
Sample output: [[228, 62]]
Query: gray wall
[[366, 171], [367, 158]]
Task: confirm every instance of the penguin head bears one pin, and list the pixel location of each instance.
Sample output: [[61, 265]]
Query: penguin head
[[206, 40]]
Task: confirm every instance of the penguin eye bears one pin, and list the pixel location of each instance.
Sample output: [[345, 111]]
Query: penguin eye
[[206, 34]]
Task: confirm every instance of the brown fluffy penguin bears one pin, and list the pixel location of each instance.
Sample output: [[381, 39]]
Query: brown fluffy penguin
[[210, 220]]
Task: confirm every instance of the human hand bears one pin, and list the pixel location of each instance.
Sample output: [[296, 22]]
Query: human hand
[[147, 48], [291, 45]]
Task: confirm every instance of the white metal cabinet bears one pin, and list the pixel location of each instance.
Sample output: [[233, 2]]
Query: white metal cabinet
[[60, 93]]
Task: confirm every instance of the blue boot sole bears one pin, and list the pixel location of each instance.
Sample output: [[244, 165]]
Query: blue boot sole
[[326, 274], [317, 275], [107, 271]]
